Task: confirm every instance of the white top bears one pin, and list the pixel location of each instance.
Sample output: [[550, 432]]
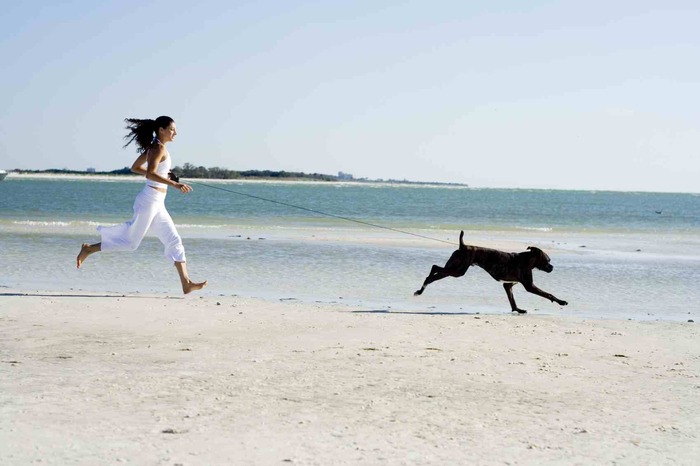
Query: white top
[[162, 169]]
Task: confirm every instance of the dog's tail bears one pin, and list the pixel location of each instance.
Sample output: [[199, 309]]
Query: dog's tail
[[461, 239]]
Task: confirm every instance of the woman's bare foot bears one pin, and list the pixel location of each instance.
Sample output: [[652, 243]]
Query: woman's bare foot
[[189, 286], [85, 251]]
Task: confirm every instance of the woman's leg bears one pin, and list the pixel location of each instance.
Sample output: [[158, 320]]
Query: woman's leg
[[164, 228], [188, 286], [126, 236], [87, 250]]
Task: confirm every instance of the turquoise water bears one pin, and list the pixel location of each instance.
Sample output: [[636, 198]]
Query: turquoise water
[[617, 255], [404, 206]]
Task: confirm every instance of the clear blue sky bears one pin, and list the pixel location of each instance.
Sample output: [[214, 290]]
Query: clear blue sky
[[534, 94]]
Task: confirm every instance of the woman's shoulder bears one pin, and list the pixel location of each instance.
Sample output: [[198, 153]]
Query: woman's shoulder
[[157, 150]]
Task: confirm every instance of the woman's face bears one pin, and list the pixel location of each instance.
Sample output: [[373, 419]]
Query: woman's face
[[168, 133]]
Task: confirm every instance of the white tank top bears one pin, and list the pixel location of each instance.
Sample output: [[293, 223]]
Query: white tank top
[[162, 169]]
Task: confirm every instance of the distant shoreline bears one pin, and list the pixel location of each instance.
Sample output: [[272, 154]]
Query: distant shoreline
[[125, 175], [252, 175], [139, 179]]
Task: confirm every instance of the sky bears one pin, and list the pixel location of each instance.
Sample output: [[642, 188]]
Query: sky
[[595, 95]]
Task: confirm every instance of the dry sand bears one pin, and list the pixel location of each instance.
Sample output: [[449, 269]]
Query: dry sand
[[153, 380]]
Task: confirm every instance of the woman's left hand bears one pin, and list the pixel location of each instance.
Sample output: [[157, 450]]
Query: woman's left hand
[[184, 188]]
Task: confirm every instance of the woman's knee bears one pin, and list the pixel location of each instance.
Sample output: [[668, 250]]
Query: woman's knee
[[175, 250]]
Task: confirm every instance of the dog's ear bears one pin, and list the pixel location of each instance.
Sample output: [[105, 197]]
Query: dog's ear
[[534, 249]]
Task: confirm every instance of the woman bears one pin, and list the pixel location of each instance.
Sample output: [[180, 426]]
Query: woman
[[150, 137]]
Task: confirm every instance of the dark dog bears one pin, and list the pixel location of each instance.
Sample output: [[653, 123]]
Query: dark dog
[[507, 267]]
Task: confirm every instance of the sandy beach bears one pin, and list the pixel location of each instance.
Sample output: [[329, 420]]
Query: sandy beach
[[161, 380]]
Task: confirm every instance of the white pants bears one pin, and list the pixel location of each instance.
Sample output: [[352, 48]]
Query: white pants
[[149, 214]]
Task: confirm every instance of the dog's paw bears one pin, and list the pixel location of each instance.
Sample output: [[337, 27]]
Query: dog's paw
[[563, 303], [417, 292]]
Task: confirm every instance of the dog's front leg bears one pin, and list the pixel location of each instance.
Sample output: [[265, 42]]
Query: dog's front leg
[[509, 291], [534, 290]]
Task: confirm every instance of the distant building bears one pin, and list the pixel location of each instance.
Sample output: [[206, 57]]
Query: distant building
[[90, 170], [345, 176]]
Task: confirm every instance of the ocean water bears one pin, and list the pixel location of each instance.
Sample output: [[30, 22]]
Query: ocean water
[[615, 254]]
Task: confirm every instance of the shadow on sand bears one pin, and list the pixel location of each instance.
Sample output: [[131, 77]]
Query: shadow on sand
[[419, 313], [76, 295]]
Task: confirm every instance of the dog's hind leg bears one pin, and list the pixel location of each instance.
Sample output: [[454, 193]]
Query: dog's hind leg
[[436, 273], [456, 266]]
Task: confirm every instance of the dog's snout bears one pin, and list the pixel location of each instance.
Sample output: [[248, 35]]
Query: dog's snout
[[548, 268]]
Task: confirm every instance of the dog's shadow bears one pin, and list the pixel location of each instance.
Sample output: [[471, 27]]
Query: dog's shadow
[[418, 313]]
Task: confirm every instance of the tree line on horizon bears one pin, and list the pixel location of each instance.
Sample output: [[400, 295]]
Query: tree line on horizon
[[217, 173], [189, 170]]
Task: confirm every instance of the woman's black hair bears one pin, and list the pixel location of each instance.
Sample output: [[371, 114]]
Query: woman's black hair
[[144, 131]]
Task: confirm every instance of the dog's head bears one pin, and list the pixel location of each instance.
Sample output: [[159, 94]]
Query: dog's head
[[540, 259]]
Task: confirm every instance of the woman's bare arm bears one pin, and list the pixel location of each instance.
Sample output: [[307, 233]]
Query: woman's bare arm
[[138, 165]]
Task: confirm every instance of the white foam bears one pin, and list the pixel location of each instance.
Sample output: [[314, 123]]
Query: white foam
[[35, 223]]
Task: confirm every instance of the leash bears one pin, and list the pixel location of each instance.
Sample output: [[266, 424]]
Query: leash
[[319, 212]]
